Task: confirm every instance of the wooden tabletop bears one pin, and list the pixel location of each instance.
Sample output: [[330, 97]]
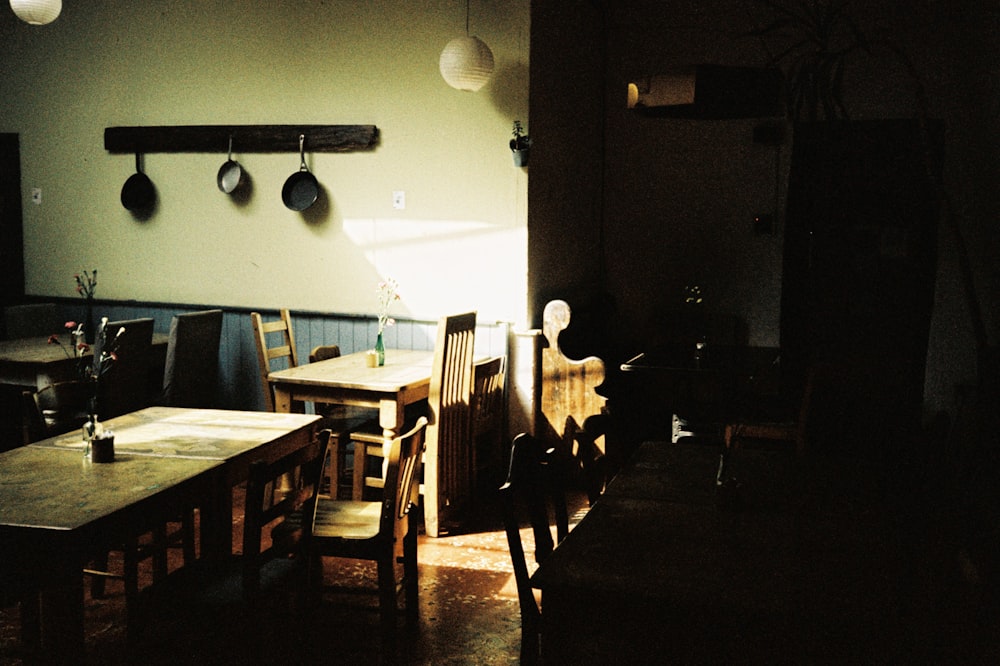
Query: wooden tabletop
[[44, 489], [35, 362], [176, 432], [403, 369]]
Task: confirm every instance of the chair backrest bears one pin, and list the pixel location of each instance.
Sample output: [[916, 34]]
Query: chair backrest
[[126, 386], [568, 395], [270, 502], [266, 354], [191, 373], [56, 409], [488, 417], [324, 352], [30, 320], [448, 471], [532, 483], [401, 492]]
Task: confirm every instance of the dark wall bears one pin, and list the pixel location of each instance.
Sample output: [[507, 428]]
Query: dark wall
[[665, 203]]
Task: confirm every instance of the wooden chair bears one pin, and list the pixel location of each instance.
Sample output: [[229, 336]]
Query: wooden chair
[[125, 387], [448, 462], [271, 563], [568, 396], [267, 354], [488, 420], [191, 373], [449, 472], [792, 431], [384, 531], [532, 483], [55, 409], [355, 428], [324, 352]]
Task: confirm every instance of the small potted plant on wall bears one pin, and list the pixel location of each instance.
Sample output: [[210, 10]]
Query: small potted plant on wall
[[520, 144]]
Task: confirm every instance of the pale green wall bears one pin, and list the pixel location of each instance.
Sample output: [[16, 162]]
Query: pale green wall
[[459, 244]]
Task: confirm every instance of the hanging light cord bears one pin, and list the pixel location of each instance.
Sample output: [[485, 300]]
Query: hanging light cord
[[467, 18]]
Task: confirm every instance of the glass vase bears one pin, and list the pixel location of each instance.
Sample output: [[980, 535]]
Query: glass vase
[[88, 322], [380, 349], [91, 429]]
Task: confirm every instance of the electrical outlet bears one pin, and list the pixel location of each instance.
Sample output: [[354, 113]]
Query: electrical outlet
[[399, 200]]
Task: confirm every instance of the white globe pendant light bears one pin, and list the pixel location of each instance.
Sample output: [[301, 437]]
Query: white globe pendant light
[[466, 63], [36, 12]]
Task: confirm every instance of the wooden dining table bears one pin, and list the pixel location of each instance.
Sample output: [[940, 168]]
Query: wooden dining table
[[35, 363], [669, 567], [348, 380], [58, 509]]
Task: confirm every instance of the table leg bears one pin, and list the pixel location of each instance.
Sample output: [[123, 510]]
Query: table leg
[[61, 617], [282, 399], [391, 414], [217, 523]]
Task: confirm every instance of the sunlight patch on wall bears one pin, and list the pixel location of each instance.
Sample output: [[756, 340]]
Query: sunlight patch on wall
[[448, 266]]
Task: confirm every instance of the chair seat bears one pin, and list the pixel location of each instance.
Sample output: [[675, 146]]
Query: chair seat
[[347, 519]]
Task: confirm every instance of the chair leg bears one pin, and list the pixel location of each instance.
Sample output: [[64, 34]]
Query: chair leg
[[159, 556], [410, 582], [359, 471], [131, 576], [97, 582], [187, 534], [31, 622], [387, 601]]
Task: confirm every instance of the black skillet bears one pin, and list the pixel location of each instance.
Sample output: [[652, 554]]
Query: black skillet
[[301, 189], [138, 192]]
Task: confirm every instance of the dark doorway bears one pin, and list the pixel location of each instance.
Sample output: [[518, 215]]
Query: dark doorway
[[859, 270], [11, 231]]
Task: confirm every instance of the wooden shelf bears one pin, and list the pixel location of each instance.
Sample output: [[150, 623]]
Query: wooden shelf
[[246, 138]]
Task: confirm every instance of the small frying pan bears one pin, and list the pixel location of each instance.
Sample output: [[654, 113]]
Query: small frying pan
[[138, 192], [230, 174], [301, 189]]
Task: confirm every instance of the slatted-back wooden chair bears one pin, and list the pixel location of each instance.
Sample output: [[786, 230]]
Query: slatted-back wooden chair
[[384, 531], [488, 420], [448, 462]]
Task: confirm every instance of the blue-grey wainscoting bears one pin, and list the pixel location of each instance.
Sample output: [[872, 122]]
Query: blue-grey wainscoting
[[238, 376]]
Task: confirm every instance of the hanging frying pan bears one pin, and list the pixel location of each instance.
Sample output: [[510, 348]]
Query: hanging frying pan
[[230, 174], [138, 192], [300, 189]]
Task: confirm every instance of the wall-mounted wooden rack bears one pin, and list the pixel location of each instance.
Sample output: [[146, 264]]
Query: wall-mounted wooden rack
[[246, 138]]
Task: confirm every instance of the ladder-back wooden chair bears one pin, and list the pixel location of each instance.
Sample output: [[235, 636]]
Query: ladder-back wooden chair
[[264, 331]]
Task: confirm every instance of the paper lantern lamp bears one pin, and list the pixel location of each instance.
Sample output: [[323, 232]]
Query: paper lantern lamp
[[36, 12], [466, 63]]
